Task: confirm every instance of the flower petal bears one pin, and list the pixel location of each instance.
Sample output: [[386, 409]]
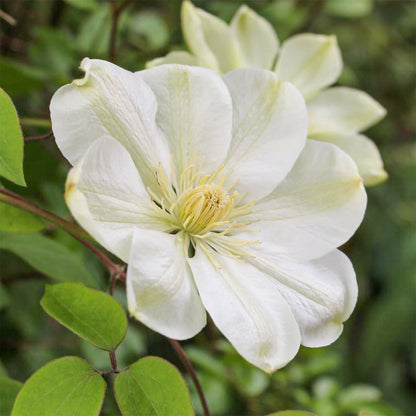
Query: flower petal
[[107, 197], [269, 129], [194, 112], [322, 293], [210, 39], [311, 62], [160, 289], [109, 101], [364, 153], [257, 38], [342, 110], [247, 307], [317, 207], [175, 57]]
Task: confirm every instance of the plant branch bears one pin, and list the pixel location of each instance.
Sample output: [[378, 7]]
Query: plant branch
[[18, 201], [116, 13], [76, 232], [179, 350], [42, 137], [313, 12]]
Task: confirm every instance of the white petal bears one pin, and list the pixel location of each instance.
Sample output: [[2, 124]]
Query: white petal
[[248, 309], [257, 38], [269, 129], [342, 110], [364, 153], [322, 293], [109, 101], [194, 112], [175, 57], [160, 289], [107, 197], [210, 39], [317, 207], [311, 62]]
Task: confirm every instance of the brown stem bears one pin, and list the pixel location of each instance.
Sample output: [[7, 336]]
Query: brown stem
[[72, 229], [20, 202], [113, 360], [312, 14], [179, 350], [42, 137], [116, 12]]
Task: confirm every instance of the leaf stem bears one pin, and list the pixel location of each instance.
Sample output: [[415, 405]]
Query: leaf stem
[[182, 355]]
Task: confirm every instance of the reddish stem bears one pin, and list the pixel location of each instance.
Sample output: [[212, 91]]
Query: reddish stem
[[179, 350], [42, 137]]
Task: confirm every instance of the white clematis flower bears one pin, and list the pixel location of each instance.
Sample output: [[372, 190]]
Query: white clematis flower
[[311, 62], [206, 188]]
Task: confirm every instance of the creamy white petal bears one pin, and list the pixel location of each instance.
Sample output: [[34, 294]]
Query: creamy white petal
[[109, 101], [317, 207], [322, 293], [175, 57], [160, 289], [194, 112], [269, 129], [257, 38], [248, 309], [107, 197], [311, 62], [364, 153], [342, 110], [210, 39]]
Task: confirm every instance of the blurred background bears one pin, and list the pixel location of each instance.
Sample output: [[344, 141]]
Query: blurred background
[[373, 365]]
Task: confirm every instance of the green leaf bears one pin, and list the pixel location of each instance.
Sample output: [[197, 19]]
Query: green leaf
[[89, 313], [15, 220], [66, 387], [8, 392], [11, 142], [349, 9], [152, 387], [83, 4], [19, 79], [47, 256]]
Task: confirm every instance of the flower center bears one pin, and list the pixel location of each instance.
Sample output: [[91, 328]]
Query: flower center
[[204, 207]]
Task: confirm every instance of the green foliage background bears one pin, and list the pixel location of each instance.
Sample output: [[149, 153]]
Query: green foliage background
[[42, 52]]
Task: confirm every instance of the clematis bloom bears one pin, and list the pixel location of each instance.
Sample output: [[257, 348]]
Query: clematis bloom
[[311, 62], [207, 188]]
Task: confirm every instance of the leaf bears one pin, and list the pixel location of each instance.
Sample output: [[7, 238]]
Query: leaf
[[15, 220], [8, 392], [350, 9], [89, 313], [152, 387], [11, 142], [19, 79], [83, 4], [47, 256], [67, 386]]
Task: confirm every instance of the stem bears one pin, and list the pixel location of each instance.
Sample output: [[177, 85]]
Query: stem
[[42, 137], [114, 24], [179, 350], [113, 360], [313, 13], [35, 122], [18, 201], [72, 229]]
